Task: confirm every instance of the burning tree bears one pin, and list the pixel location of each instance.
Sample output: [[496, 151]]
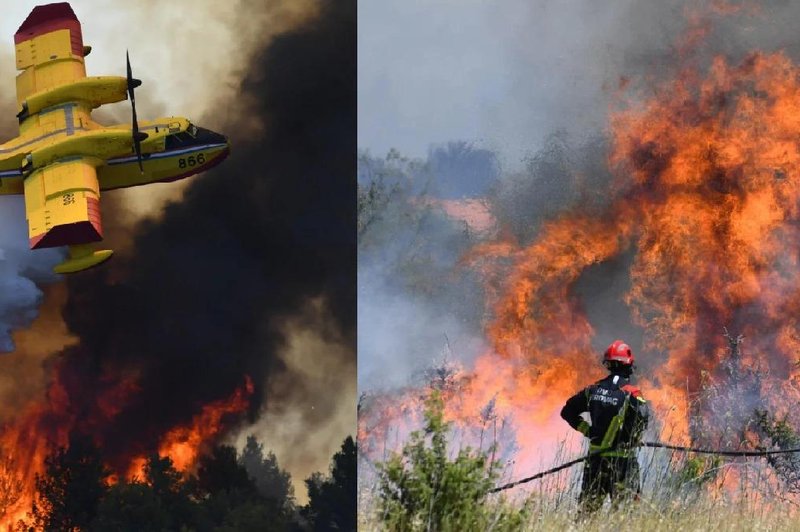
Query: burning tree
[[228, 491], [779, 433], [71, 487], [723, 412], [11, 485]]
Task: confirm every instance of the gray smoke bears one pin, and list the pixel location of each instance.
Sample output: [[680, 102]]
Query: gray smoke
[[415, 304], [507, 75], [21, 272]]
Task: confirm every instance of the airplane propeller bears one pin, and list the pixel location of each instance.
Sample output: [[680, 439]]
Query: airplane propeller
[[138, 136]]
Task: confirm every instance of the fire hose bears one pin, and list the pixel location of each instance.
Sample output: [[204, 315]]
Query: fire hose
[[653, 444]]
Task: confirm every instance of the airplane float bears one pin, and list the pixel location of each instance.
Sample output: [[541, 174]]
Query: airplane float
[[62, 159]]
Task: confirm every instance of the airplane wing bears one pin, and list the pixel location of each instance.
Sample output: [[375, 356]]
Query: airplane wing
[[62, 204], [49, 50]]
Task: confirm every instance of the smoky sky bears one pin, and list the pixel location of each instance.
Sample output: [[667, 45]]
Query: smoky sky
[[214, 39], [173, 46], [508, 74], [416, 307], [199, 300]]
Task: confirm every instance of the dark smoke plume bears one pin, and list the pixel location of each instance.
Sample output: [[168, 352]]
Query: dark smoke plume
[[200, 299]]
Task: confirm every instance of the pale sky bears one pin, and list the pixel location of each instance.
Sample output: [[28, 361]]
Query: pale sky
[[501, 74], [505, 74]]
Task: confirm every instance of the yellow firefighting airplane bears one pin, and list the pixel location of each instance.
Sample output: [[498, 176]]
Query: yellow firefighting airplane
[[62, 159]]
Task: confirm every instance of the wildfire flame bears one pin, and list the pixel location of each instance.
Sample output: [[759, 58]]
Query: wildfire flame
[[706, 198], [183, 444], [42, 428]]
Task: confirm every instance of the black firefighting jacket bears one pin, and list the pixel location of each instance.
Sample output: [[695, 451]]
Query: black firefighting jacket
[[617, 411]]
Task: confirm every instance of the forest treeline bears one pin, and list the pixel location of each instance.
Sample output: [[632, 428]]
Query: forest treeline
[[230, 491]]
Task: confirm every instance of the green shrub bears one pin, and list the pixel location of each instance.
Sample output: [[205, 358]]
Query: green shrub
[[423, 488]]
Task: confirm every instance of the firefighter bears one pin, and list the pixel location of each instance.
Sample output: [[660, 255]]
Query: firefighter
[[617, 416]]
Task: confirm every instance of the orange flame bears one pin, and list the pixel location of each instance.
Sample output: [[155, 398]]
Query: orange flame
[[184, 444], [43, 427]]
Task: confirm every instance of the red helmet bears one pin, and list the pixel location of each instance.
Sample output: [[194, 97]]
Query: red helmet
[[618, 351]]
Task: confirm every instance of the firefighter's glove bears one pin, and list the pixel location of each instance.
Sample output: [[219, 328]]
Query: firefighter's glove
[[583, 427]]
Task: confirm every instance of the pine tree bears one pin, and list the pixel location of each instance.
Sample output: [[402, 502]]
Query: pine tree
[[332, 498]]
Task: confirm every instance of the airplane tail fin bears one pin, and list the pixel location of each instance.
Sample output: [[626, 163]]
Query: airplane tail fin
[[82, 257]]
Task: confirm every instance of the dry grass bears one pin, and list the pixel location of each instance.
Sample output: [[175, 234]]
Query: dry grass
[[707, 515], [694, 517], [679, 493]]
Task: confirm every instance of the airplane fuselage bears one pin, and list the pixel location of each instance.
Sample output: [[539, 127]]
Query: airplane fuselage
[[174, 148]]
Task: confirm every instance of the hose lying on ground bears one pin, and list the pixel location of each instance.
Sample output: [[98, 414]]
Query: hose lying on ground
[[654, 444]]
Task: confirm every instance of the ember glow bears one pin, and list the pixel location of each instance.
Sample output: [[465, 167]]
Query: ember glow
[[706, 200]]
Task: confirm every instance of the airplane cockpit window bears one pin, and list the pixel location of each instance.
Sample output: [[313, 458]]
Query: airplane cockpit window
[[177, 140]]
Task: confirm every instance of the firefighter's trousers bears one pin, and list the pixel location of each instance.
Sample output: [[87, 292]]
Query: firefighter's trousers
[[613, 476]]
